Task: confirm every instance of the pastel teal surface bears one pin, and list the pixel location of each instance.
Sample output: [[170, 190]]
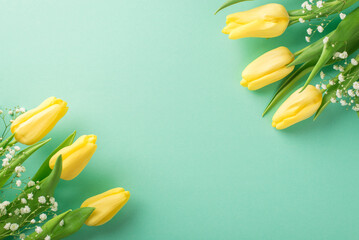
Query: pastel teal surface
[[158, 83]]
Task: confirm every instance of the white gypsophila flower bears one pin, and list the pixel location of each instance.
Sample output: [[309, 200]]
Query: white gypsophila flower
[[317, 86], [43, 217], [23, 201], [335, 67], [320, 4], [342, 16], [25, 210], [6, 203], [331, 82], [10, 112], [37, 187], [356, 85], [30, 196], [22, 110], [307, 38], [31, 184], [61, 223], [18, 183], [7, 226], [339, 93], [354, 61], [54, 207], [351, 93], [320, 29], [322, 75], [8, 156], [22, 236], [52, 200], [42, 199], [343, 55], [20, 169], [343, 102], [5, 162], [12, 152], [341, 78], [14, 227], [326, 40], [301, 20], [341, 69], [17, 148], [309, 31], [324, 86], [356, 108], [333, 100], [17, 110], [304, 4], [47, 237], [33, 221], [38, 230]]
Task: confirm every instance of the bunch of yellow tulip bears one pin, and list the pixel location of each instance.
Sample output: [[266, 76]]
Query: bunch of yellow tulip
[[272, 20], [67, 161]]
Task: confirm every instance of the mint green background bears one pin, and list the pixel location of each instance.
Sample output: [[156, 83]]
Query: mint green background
[[158, 83]]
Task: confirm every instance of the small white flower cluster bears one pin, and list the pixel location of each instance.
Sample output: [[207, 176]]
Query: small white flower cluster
[[346, 97], [11, 114], [9, 155], [11, 226], [310, 5], [3, 206]]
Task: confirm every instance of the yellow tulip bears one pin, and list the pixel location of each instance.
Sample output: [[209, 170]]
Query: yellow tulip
[[106, 205], [268, 68], [298, 107], [35, 124], [267, 21], [75, 157]]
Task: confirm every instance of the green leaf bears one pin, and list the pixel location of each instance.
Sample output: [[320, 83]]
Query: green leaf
[[230, 3], [45, 170], [4, 143], [20, 158], [73, 222], [48, 227]]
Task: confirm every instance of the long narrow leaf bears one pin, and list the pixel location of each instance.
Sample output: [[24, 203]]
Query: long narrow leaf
[[230, 3], [45, 170]]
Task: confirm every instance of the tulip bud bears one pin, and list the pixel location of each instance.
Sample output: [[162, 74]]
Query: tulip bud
[[35, 124], [268, 68], [298, 107], [267, 21], [75, 157], [106, 205]]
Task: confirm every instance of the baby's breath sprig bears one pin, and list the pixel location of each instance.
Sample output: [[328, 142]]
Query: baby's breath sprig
[[344, 88], [317, 9]]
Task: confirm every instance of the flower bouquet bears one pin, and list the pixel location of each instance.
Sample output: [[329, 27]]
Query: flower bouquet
[[32, 214], [337, 49]]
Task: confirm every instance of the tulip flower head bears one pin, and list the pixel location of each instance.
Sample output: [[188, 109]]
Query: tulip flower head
[[298, 107], [35, 124], [75, 157], [266, 21], [106, 205], [268, 68]]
